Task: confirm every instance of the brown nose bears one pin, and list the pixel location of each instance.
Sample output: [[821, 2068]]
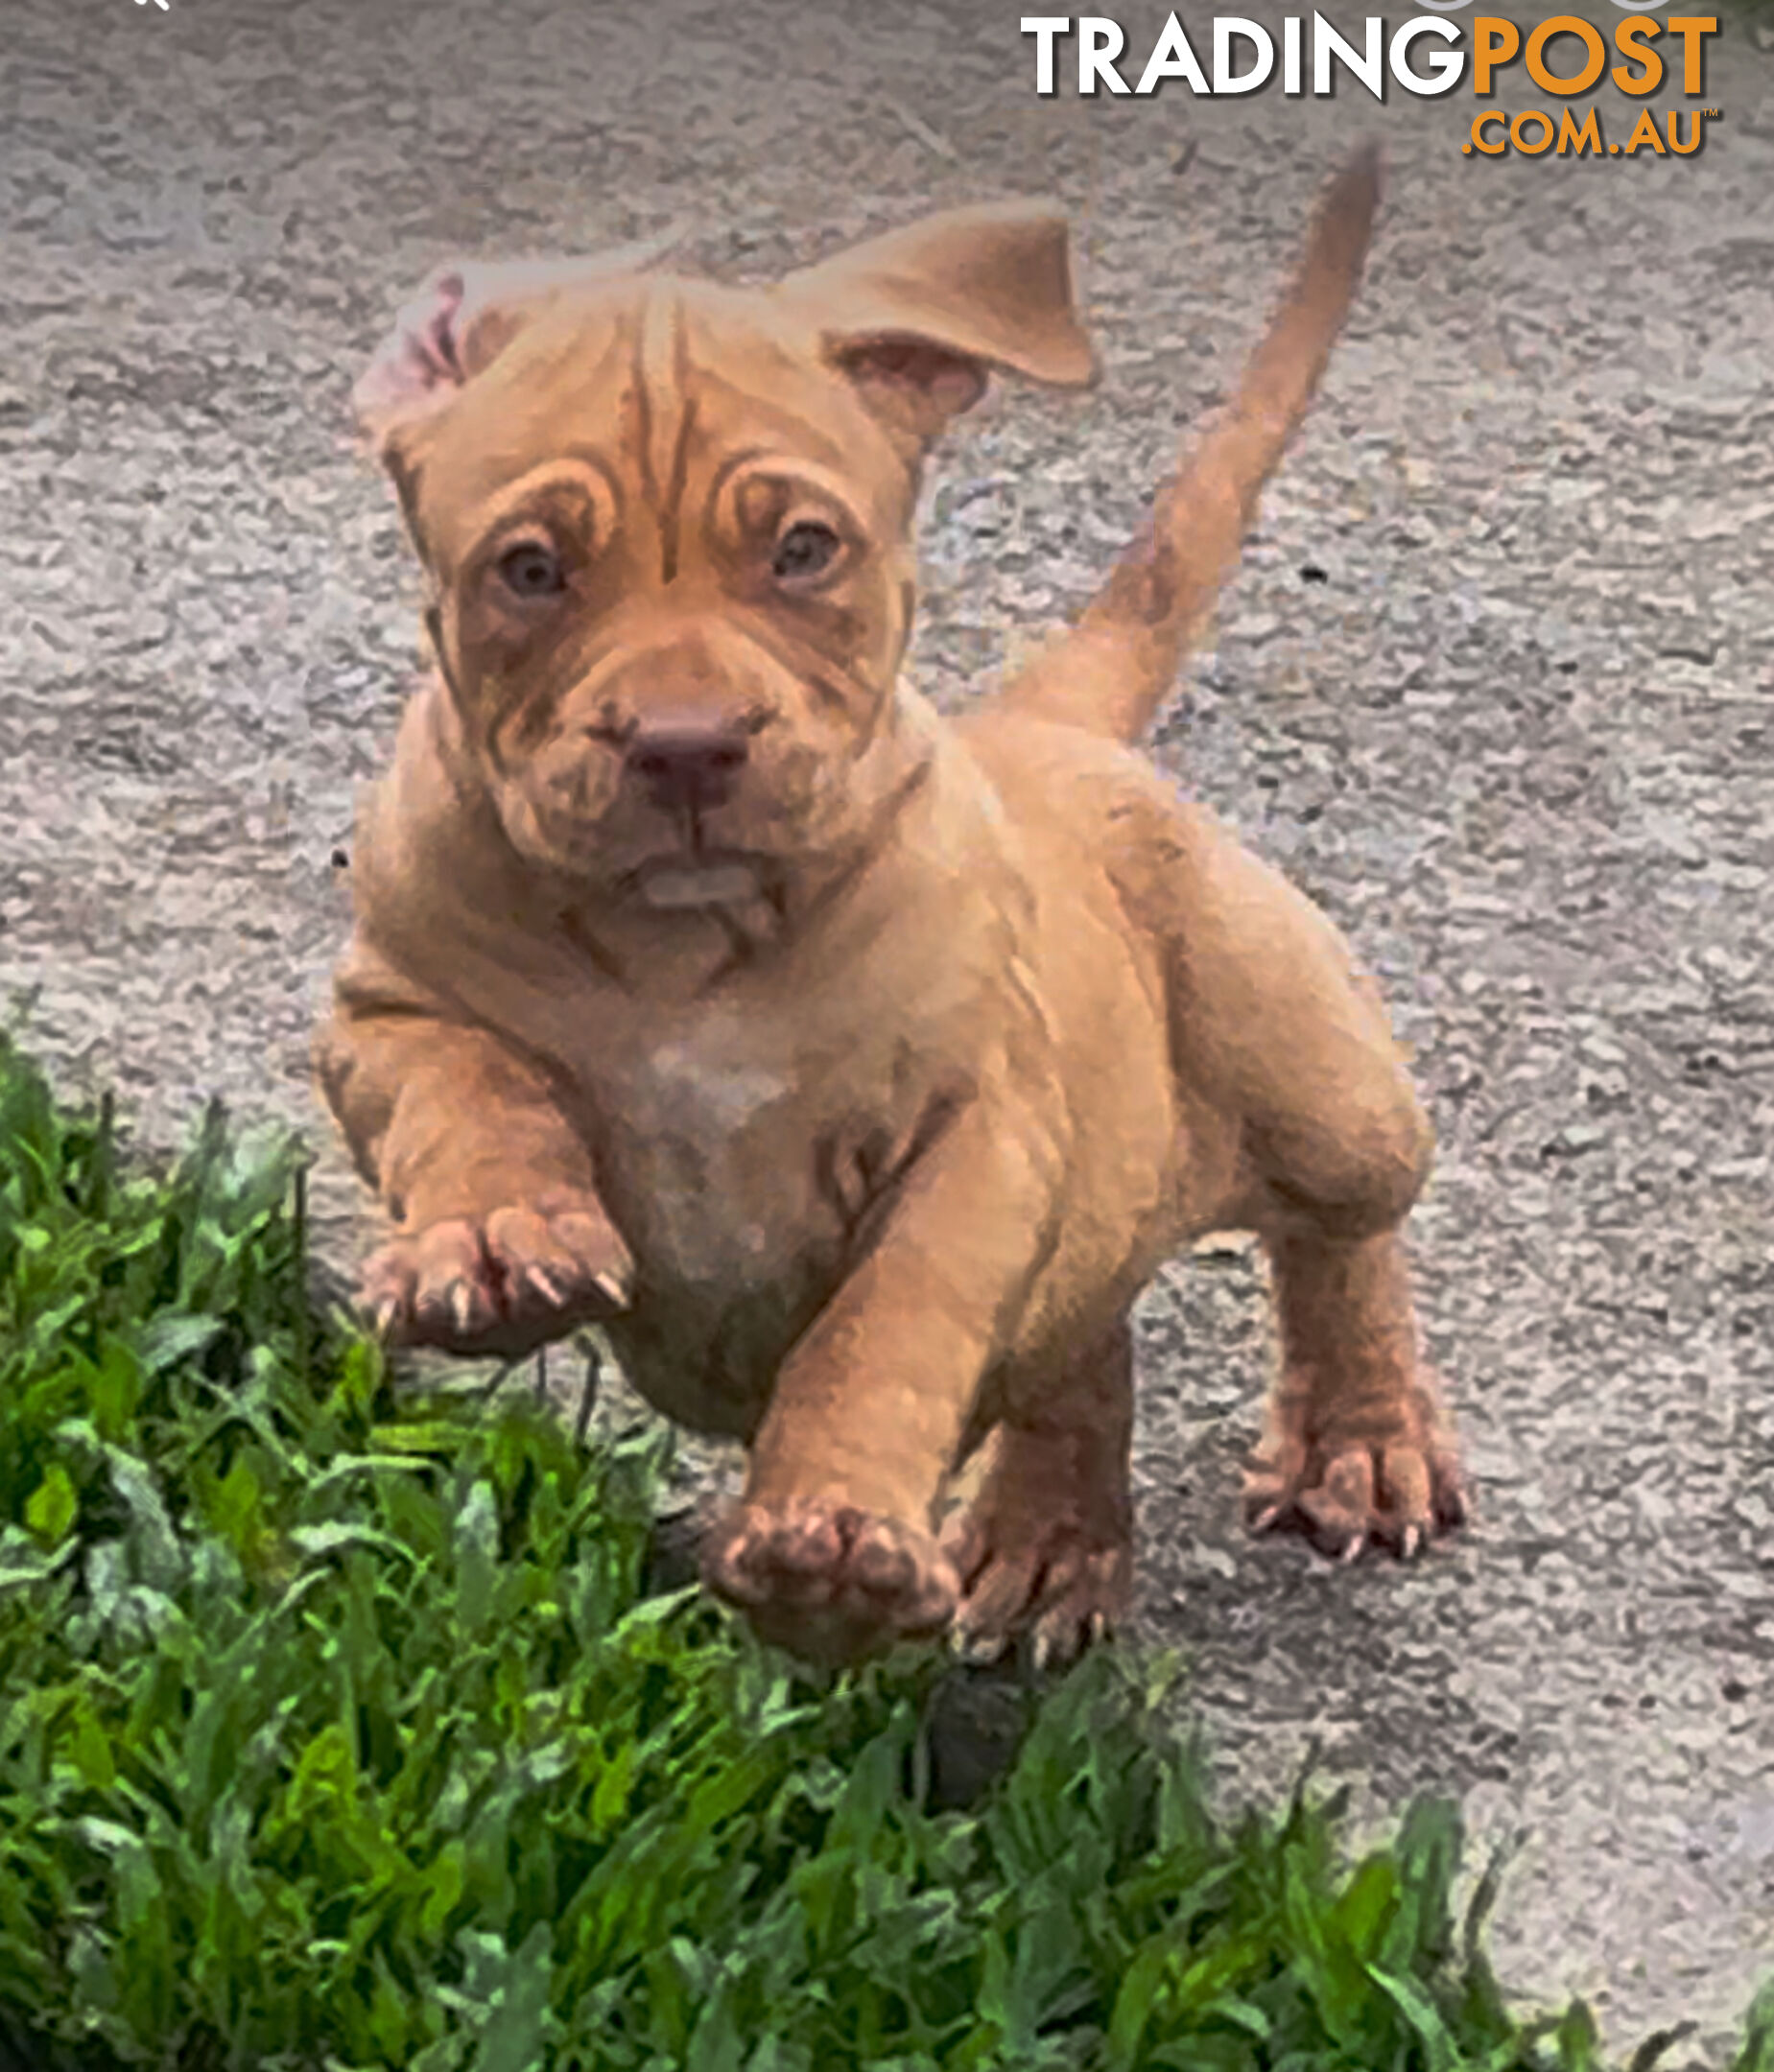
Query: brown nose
[[688, 766]]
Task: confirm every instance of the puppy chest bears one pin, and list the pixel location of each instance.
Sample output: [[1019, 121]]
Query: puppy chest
[[734, 1163]]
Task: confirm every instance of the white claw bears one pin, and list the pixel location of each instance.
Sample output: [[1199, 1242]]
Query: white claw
[[1264, 1520], [461, 1306], [1044, 1650], [1099, 1627], [383, 1318], [610, 1288], [544, 1286], [976, 1649], [1353, 1551], [1412, 1541]]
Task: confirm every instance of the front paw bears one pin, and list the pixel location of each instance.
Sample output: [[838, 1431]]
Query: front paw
[[1398, 1486], [828, 1581], [499, 1285]]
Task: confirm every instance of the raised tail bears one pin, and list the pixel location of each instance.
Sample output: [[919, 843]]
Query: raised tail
[[1110, 673]]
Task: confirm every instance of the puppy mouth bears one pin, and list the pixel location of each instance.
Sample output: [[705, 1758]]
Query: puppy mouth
[[700, 878]]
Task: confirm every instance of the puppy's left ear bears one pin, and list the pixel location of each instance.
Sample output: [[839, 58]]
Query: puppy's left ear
[[920, 318], [462, 316]]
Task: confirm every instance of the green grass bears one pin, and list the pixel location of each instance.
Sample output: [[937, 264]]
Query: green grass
[[336, 1729]]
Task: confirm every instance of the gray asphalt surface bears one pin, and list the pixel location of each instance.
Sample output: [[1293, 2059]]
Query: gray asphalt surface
[[1516, 740]]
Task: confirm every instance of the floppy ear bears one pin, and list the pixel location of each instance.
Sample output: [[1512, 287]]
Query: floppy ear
[[461, 318], [921, 316]]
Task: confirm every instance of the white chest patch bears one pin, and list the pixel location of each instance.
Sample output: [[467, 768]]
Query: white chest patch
[[683, 1087], [718, 1151]]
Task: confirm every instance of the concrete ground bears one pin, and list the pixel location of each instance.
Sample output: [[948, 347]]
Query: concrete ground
[[1493, 685]]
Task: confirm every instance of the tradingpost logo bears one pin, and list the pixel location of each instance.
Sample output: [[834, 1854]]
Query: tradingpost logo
[[1564, 56]]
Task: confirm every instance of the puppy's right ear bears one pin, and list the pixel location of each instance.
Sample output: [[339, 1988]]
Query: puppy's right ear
[[920, 318], [462, 317]]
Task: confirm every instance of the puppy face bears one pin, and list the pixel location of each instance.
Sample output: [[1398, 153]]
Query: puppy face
[[668, 528], [673, 586]]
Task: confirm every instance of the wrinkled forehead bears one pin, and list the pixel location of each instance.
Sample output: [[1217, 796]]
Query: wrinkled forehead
[[663, 385]]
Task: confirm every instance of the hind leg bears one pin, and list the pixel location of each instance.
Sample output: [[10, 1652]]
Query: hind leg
[[1357, 1450], [1045, 1547], [1274, 1028]]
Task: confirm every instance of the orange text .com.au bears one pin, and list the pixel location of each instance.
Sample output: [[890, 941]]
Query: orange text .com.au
[[1534, 130]]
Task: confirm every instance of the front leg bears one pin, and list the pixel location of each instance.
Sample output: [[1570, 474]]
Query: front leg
[[501, 1242], [833, 1551]]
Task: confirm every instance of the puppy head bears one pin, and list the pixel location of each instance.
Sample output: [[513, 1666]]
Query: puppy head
[[667, 527]]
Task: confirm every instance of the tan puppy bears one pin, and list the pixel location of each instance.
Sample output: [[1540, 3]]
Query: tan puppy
[[856, 1068]]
